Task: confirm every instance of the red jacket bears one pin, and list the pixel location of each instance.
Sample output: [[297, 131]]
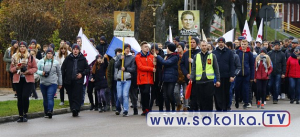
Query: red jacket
[[32, 68], [292, 68], [261, 73], [145, 67]]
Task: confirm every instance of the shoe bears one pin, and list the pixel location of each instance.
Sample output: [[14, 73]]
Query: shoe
[[275, 101], [268, 98], [245, 106], [117, 112], [262, 106], [135, 111], [61, 103], [20, 119], [265, 102], [279, 97], [95, 108], [249, 105], [185, 109], [107, 108], [113, 108], [16, 96], [46, 115], [258, 104], [229, 109], [49, 115], [131, 106], [125, 114], [236, 104], [100, 109], [92, 107], [74, 113], [25, 118], [292, 102], [282, 96], [145, 112], [297, 102], [178, 107], [55, 96]]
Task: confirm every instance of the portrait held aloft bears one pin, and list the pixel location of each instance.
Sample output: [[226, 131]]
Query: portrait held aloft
[[124, 23], [189, 23]]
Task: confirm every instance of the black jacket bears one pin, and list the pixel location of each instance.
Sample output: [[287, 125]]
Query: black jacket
[[158, 74], [225, 61], [278, 61], [170, 67], [100, 76], [184, 64], [82, 68], [102, 48]]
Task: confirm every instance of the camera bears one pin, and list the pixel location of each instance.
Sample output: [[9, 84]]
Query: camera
[[46, 74], [23, 69]]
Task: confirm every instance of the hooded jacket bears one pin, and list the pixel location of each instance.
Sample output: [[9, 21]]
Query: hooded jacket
[[293, 67], [278, 61], [54, 77], [144, 68], [247, 62], [261, 71], [129, 65], [102, 48], [170, 68], [82, 68], [100, 76]]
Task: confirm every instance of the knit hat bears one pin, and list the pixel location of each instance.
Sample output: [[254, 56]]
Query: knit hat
[[221, 39], [183, 41], [177, 39], [181, 44], [75, 46], [291, 38], [33, 41], [167, 43], [295, 41], [156, 46], [50, 50], [98, 56], [23, 43], [172, 47], [127, 45], [68, 43], [196, 39], [92, 40], [103, 38], [263, 50], [241, 38], [13, 42], [52, 46], [276, 42]]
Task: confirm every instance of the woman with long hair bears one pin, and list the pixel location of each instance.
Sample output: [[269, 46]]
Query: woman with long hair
[[50, 76], [34, 45], [62, 54], [7, 58], [23, 66], [293, 73]]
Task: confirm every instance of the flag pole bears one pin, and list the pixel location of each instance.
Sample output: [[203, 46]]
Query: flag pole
[[190, 55], [122, 72], [154, 48]]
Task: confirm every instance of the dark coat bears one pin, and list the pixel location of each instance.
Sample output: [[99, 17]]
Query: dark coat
[[82, 68], [247, 63], [100, 76], [158, 74], [225, 61], [184, 65], [170, 67], [278, 61], [102, 48]]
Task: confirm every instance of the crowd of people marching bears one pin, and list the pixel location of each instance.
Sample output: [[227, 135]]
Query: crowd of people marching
[[218, 72]]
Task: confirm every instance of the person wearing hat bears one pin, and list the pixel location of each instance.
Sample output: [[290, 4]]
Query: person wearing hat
[[92, 40], [50, 78], [286, 46], [240, 38], [23, 66], [180, 82], [156, 86], [290, 51], [112, 80], [73, 78], [258, 46], [204, 70], [279, 69], [102, 47], [7, 58], [123, 84], [69, 48], [263, 69], [33, 45], [226, 62], [169, 75], [176, 40], [293, 73], [291, 39]]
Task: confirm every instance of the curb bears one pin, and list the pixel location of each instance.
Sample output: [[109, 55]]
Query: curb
[[40, 114]]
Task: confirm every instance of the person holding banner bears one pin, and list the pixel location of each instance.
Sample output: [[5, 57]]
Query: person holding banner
[[123, 83], [73, 78]]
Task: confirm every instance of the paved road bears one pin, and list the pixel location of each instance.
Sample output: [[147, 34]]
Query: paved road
[[91, 123]]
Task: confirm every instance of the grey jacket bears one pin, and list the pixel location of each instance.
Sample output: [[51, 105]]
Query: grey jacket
[[237, 64], [55, 76], [129, 65], [7, 58], [204, 78]]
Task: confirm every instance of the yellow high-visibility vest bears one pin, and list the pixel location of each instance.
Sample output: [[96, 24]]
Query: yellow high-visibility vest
[[208, 68]]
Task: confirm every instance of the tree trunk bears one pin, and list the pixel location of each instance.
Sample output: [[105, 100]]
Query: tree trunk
[[136, 7], [161, 29], [206, 16], [253, 15], [241, 13], [227, 15]]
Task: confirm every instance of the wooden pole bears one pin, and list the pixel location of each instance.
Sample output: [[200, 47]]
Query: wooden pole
[[154, 49], [190, 55], [122, 72]]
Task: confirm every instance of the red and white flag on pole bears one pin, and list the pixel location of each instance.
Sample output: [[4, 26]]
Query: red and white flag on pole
[[246, 32], [260, 31], [170, 34]]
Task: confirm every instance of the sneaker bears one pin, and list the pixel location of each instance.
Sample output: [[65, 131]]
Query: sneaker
[[20, 119], [46, 116], [265, 102], [279, 97], [145, 112], [125, 114], [49, 115], [249, 105], [113, 108], [236, 105], [107, 108], [55, 96], [297, 102], [117, 112], [96, 108], [245, 106], [292, 102], [25, 118], [275, 101], [61, 103], [15, 96], [74, 113], [258, 104], [282, 96], [262, 106], [268, 98], [92, 107], [101, 109], [135, 111]]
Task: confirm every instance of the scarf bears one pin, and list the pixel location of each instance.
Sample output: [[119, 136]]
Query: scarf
[[264, 61]]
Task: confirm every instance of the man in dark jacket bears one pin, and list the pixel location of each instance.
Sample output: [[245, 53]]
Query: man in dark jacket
[[73, 79], [170, 75], [286, 45], [257, 47], [226, 63], [279, 69], [245, 76], [102, 47]]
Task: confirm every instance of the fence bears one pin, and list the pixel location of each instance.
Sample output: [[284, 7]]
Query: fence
[[4, 75]]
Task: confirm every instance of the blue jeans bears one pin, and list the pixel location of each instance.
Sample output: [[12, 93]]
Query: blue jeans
[[114, 89], [83, 94], [231, 93], [123, 91], [48, 96], [294, 88], [274, 89]]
